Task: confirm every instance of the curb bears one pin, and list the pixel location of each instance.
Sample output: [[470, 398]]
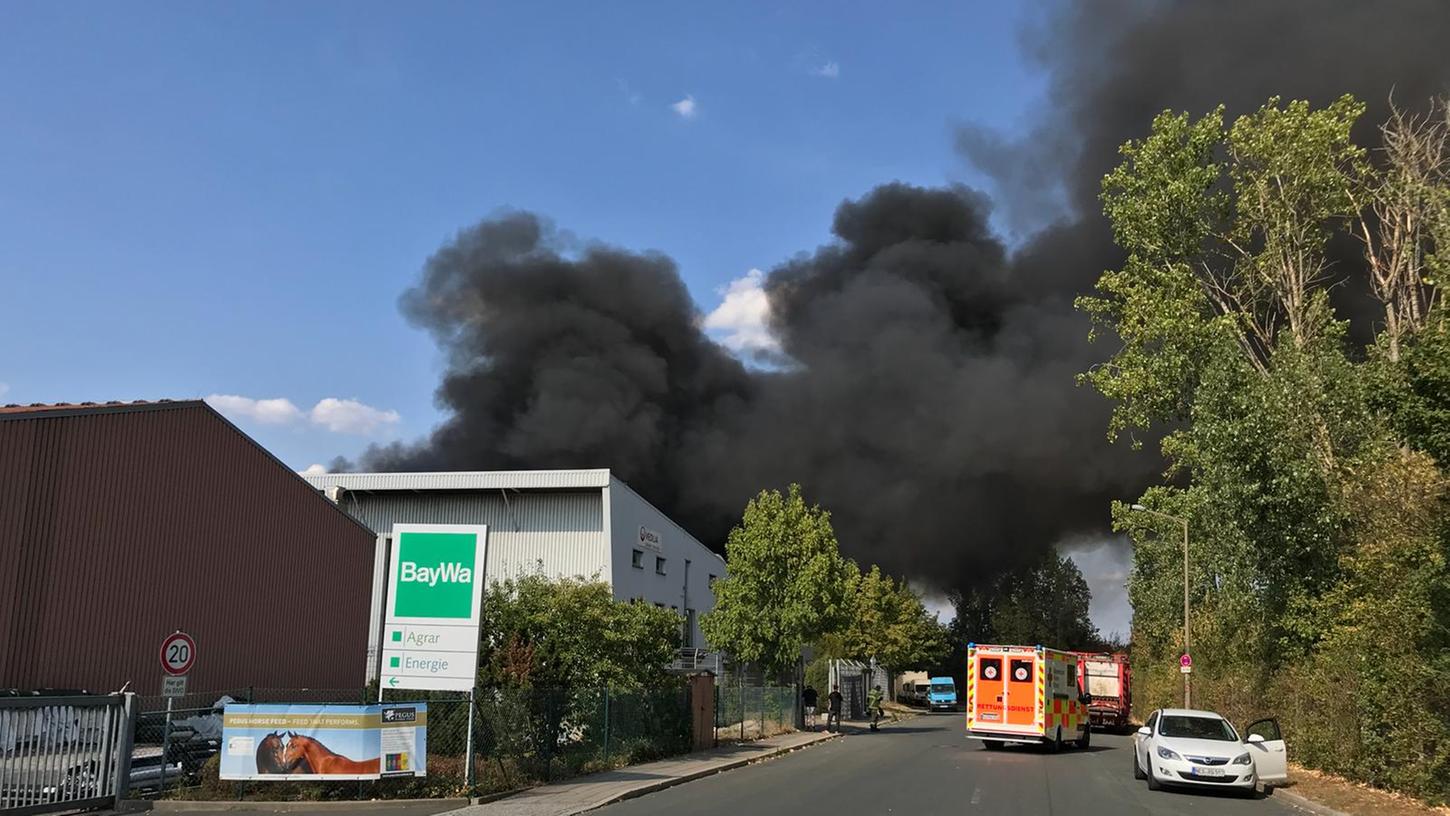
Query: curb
[[654, 787], [289, 806], [700, 774], [1303, 803]]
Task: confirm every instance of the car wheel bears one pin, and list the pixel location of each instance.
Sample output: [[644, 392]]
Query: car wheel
[[1153, 783], [1086, 738], [991, 745], [1137, 769]]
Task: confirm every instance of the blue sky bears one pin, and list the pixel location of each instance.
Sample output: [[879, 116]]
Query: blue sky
[[203, 199], [207, 198]]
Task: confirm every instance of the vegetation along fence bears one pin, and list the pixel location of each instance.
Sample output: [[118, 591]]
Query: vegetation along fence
[[521, 737]]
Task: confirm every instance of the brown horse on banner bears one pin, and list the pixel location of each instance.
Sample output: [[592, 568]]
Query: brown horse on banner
[[324, 761], [270, 760]]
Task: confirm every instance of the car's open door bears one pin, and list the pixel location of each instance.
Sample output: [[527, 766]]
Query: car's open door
[[1266, 745]]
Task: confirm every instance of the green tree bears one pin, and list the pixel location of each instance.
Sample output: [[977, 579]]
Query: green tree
[[1317, 528], [1416, 388], [890, 624], [550, 648], [571, 633], [1047, 604], [786, 586]]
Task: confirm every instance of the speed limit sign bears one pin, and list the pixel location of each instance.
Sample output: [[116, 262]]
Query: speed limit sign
[[178, 653]]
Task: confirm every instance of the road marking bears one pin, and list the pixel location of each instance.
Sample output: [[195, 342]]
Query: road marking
[[976, 795]]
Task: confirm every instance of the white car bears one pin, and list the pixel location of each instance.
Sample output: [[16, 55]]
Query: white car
[[1179, 746]]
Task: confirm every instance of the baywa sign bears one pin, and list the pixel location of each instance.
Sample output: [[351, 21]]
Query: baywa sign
[[434, 599]]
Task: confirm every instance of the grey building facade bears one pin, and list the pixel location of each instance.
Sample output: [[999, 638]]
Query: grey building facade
[[561, 523]]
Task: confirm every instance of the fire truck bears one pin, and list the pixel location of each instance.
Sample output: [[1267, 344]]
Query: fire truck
[[1024, 694], [1107, 680]]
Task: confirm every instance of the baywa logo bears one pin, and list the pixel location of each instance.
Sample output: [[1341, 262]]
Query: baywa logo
[[435, 575]]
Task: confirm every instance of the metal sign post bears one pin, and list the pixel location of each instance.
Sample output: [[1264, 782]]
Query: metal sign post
[[178, 655], [468, 747]]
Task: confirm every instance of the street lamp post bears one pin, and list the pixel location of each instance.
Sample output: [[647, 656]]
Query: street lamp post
[[1187, 685]]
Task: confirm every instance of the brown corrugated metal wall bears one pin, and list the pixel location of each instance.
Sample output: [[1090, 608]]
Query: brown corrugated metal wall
[[120, 526]]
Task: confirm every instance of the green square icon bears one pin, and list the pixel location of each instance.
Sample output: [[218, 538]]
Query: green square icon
[[435, 576], [394, 662], [397, 637]]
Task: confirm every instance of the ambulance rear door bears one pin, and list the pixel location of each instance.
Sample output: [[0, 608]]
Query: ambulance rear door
[[1022, 670], [989, 691]]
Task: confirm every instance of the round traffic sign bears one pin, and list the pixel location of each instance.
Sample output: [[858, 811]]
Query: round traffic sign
[[1185, 661], [178, 653]]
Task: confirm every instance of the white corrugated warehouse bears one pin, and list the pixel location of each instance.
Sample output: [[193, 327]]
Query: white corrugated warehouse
[[562, 523]]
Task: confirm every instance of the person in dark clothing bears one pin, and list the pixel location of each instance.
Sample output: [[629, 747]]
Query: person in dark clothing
[[808, 705], [834, 713]]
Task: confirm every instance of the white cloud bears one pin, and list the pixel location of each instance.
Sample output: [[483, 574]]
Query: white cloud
[[277, 411], [4, 389], [829, 70], [351, 417], [346, 416], [314, 469], [742, 319], [686, 107]]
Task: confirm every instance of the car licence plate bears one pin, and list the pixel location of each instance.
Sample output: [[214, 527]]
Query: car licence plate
[[1207, 771]]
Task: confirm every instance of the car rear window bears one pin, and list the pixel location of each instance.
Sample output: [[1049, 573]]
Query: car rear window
[[1204, 728]]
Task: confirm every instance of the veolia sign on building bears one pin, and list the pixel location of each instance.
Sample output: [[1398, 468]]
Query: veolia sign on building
[[433, 604]]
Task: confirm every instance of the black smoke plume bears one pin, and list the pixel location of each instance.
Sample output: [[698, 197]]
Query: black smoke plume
[[926, 390]]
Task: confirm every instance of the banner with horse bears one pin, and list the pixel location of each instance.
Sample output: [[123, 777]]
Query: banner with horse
[[290, 742]]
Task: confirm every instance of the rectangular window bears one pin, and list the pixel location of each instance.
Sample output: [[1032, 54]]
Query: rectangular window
[[659, 605], [659, 565], [637, 559], [1020, 671], [711, 582], [990, 668]]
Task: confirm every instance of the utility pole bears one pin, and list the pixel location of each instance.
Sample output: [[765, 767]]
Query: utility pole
[[1187, 650]]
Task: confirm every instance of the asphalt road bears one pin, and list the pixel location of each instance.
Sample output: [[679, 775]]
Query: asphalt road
[[924, 766]]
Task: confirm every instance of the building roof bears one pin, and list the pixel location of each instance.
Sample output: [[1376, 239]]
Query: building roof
[[59, 410], [475, 480], [464, 480], [55, 409]]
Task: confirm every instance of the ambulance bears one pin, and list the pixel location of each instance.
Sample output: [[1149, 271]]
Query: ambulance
[[1024, 694]]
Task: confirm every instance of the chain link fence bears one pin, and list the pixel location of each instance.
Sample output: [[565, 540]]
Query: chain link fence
[[745, 711]]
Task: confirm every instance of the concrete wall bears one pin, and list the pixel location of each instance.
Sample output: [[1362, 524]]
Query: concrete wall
[[688, 564]]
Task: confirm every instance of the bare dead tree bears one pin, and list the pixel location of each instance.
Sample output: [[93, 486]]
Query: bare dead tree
[[1404, 217]]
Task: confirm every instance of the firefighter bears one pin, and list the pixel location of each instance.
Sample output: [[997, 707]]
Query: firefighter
[[873, 706]]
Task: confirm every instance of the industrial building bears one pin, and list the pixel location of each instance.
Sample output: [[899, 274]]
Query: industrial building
[[561, 523], [123, 522]]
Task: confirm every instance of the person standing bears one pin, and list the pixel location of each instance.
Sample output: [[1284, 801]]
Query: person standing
[[808, 704], [833, 714]]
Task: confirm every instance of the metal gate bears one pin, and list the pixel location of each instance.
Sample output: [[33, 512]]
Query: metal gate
[[64, 753]]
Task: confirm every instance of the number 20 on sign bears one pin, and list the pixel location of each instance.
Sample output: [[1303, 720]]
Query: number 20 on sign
[[178, 653]]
